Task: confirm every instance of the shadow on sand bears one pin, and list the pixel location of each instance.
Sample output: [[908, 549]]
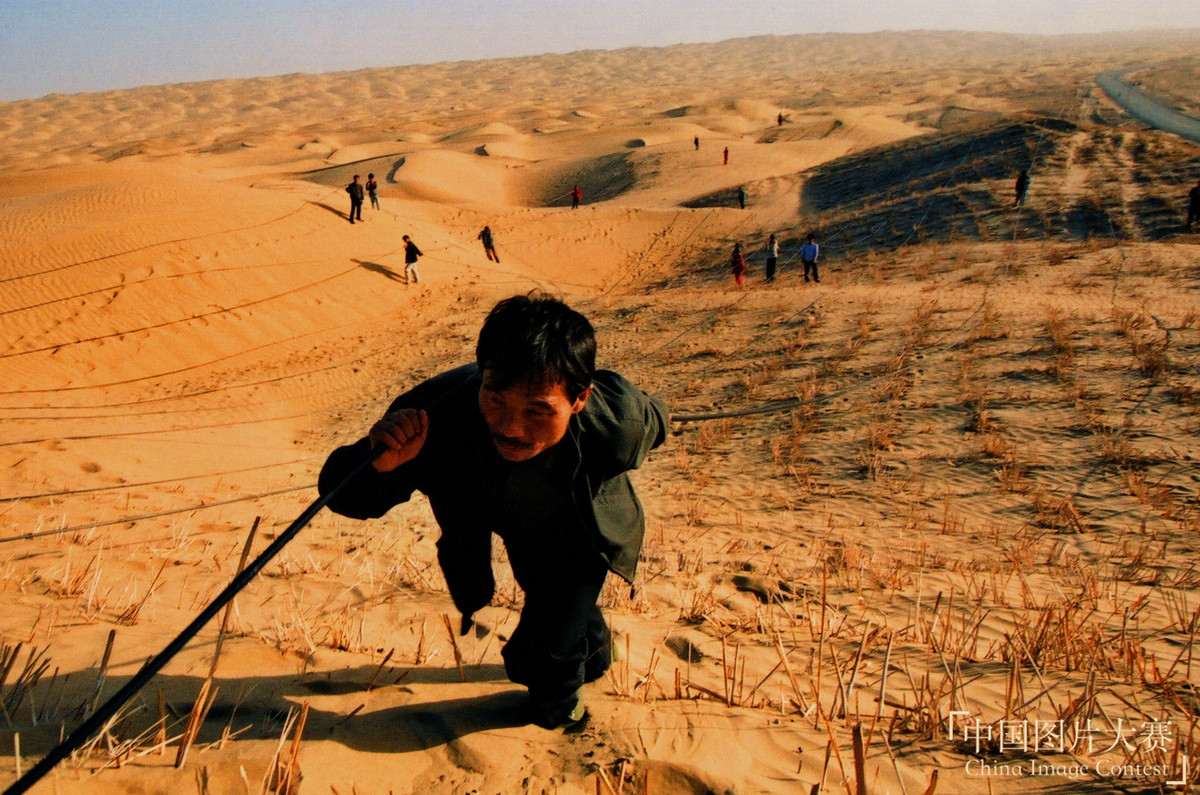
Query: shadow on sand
[[339, 213], [382, 270], [259, 706]]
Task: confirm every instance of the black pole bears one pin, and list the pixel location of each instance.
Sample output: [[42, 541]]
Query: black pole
[[101, 716]]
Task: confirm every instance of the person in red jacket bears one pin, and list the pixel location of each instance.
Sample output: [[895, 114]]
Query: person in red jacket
[[576, 195], [737, 264], [1193, 206]]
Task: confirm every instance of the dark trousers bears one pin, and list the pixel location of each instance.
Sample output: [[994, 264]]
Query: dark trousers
[[770, 269], [810, 265], [1193, 214], [561, 640], [491, 253], [355, 209]]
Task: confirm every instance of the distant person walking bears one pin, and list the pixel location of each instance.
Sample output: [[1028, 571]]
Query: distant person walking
[[808, 257], [489, 244], [741, 194], [411, 254], [355, 189], [726, 156], [737, 264], [772, 257], [576, 196], [372, 187], [779, 120], [1022, 187], [696, 143], [1193, 205]]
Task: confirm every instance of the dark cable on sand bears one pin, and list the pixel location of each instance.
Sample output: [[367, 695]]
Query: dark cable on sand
[[110, 708]]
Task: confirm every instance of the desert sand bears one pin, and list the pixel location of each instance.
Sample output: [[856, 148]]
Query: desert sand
[[963, 478]]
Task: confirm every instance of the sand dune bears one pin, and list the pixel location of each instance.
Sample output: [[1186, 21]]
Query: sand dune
[[974, 487]]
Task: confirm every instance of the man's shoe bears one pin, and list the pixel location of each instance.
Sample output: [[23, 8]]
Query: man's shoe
[[577, 715], [601, 660]]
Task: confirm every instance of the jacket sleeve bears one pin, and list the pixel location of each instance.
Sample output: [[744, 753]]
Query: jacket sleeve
[[368, 494], [631, 422], [617, 433], [655, 422]]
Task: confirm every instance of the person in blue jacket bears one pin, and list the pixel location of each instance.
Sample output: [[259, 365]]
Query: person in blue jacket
[[808, 258]]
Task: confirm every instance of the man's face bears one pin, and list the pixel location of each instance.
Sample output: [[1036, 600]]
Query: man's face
[[528, 417]]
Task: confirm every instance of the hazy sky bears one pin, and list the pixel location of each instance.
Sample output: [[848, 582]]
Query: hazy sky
[[90, 45]]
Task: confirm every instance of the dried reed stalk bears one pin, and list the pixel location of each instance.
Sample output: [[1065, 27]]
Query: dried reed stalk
[[860, 761], [212, 671], [195, 720], [458, 660]]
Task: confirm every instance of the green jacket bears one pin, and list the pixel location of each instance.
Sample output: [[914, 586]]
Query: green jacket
[[617, 427]]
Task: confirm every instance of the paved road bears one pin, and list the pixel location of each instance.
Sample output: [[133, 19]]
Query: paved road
[[1146, 108]]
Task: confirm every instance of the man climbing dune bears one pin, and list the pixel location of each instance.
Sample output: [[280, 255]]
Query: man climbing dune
[[532, 443]]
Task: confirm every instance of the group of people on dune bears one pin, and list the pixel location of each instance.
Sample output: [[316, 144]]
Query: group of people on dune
[[808, 253], [357, 190]]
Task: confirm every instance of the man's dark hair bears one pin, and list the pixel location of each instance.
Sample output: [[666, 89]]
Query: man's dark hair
[[540, 339]]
